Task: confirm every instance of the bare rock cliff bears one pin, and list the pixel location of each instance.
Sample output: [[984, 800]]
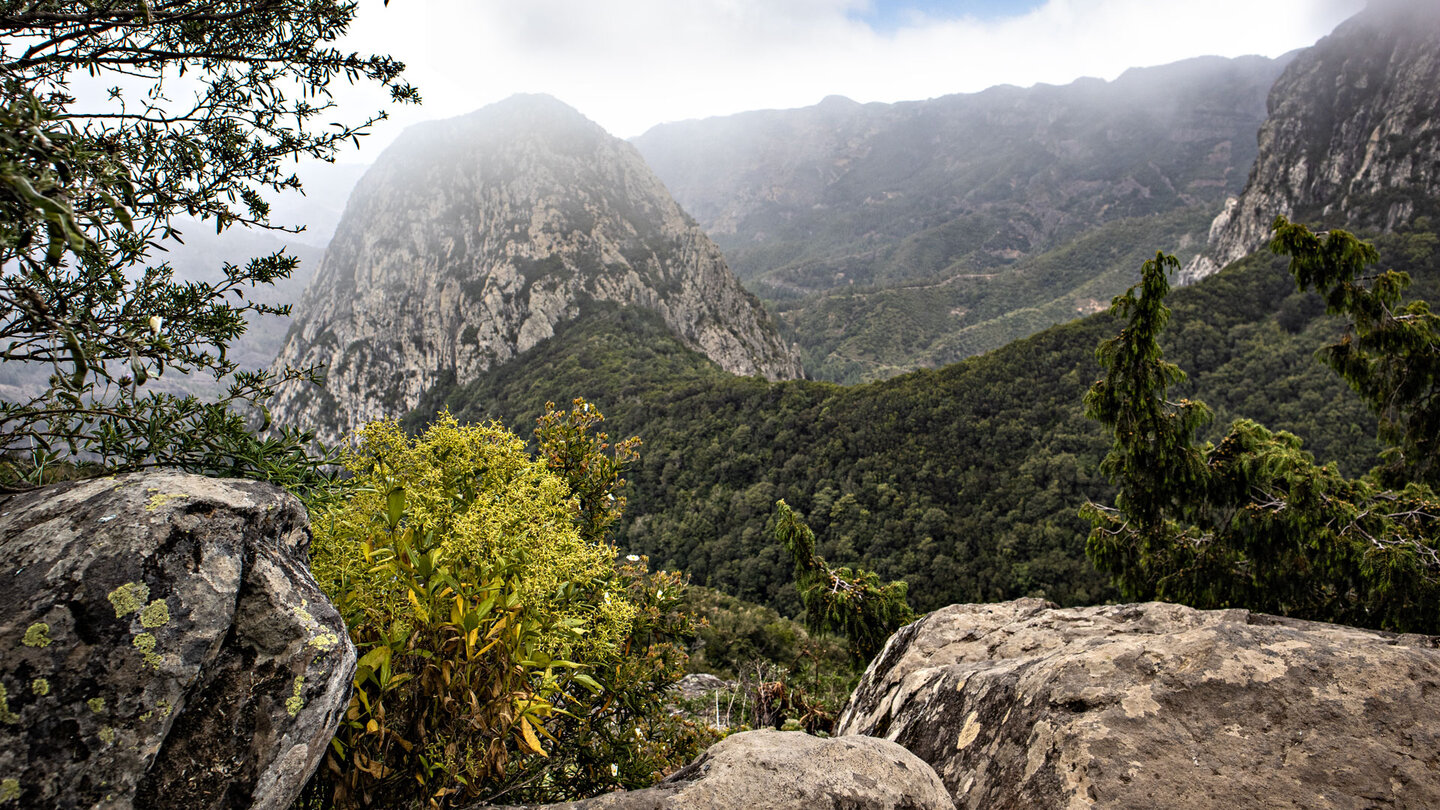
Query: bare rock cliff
[[1352, 138], [471, 239]]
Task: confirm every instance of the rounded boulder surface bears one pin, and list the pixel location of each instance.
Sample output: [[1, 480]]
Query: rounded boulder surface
[[164, 646], [1025, 705], [779, 770]]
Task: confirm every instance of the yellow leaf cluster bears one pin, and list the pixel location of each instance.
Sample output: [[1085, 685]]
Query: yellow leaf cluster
[[489, 506]]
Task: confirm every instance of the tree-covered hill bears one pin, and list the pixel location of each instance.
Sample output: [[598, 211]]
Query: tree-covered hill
[[964, 480], [870, 333]]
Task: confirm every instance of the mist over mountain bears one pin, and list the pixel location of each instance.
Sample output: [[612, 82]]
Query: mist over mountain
[[1352, 138], [471, 239], [963, 480], [946, 200], [463, 275]]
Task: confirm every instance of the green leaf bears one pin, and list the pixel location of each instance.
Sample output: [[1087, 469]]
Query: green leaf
[[395, 506], [589, 683]]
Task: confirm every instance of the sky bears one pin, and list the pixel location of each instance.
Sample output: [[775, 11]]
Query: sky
[[632, 64]]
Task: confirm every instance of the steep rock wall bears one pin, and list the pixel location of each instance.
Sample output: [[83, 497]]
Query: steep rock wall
[[1352, 138], [470, 239]]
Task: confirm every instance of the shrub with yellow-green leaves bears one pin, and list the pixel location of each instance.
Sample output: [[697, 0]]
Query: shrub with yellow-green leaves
[[503, 652]]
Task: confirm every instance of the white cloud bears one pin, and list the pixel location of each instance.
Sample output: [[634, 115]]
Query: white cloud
[[630, 64]]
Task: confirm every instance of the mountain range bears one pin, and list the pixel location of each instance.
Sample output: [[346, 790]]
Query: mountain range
[[497, 261], [886, 237]]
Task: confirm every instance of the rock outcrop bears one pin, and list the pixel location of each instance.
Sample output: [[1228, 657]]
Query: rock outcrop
[[789, 771], [164, 646], [470, 239], [1023, 705], [1352, 138]]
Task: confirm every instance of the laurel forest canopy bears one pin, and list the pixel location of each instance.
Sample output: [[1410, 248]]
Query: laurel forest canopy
[[119, 117], [1254, 522]]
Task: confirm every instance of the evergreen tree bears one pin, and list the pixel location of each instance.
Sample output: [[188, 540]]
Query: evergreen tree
[[1390, 351], [1254, 522], [210, 103], [842, 600]]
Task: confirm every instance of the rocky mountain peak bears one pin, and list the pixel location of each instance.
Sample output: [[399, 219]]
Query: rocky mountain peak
[[1352, 137], [470, 239]]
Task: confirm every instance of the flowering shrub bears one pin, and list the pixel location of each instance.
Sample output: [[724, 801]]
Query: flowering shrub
[[504, 652]]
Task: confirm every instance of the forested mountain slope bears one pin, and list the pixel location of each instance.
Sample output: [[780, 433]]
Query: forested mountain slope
[[964, 480], [823, 211], [869, 333]]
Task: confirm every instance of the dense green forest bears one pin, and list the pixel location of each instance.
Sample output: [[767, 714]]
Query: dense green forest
[[965, 480]]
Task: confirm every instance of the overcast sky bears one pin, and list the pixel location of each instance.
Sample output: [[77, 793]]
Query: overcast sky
[[631, 64]]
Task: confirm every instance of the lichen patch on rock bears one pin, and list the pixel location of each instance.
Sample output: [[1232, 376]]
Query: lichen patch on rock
[[196, 664]]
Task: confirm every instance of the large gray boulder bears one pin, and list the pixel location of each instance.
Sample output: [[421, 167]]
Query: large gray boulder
[[163, 646], [789, 770], [1023, 705]]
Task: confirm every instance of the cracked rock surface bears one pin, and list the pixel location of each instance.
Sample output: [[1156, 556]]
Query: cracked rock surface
[[1024, 705], [163, 646]]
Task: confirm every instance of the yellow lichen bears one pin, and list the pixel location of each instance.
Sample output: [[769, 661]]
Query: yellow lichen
[[303, 615], [146, 716], [969, 732], [295, 703], [325, 641], [9, 790], [37, 635], [107, 735], [40, 687], [129, 598], [155, 614], [160, 499], [6, 716], [164, 707], [145, 643], [97, 705]]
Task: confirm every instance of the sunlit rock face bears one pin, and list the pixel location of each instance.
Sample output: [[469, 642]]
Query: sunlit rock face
[[471, 239], [1025, 705], [1353, 135]]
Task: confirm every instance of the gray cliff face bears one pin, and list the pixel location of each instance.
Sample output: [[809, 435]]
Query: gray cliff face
[[471, 239], [1352, 138]]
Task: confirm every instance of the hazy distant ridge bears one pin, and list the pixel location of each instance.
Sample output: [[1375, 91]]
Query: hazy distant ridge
[[842, 193]]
